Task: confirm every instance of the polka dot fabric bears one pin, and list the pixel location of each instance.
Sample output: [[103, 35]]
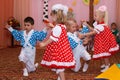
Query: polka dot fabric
[[59, 54], [73, 44], [103, 42], [19, 36], [85, 30]]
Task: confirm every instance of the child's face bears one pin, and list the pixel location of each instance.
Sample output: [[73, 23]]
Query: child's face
[[28, 26], [113, 27], [72, 27], [98, 16], [53, 17]]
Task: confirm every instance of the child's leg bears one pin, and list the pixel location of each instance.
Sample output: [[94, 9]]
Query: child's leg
[[78, 64], [61, 75], [25, 72], [107, 64], [103, 63], [77, 55], [106, 61], [87, 57], [22, 59], [23, 64], [29, 60], [86, 65]]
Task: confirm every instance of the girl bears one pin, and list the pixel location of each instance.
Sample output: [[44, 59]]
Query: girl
[[104, 41], [77, 46], [28, 39], [58, 54]]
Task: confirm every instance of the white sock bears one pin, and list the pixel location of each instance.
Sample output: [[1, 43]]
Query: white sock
[[106, 67], [58, 78], [36, 65], [25, 72], [103, 66], [54, 70], [85, 67]]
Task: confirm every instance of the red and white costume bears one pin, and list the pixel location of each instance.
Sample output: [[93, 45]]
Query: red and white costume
[[104, 43], [58, 54]]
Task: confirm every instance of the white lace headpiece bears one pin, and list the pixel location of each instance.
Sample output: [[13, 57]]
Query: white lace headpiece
[[57, 7]]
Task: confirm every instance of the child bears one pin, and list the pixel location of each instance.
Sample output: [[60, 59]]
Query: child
[[77, 46], [28, 39], [104, 42], [58, 54], [115, 32], [84, 29]]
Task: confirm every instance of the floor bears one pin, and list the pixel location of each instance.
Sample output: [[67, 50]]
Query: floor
[[10, 68]]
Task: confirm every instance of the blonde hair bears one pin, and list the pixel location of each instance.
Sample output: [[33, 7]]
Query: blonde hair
[[69, 22], [61, 17], [102, 10]]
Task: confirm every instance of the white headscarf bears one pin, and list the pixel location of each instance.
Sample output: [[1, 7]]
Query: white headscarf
[[57, 7]]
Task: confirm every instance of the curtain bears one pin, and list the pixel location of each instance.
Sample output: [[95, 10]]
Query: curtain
[[6, 8], [21, 10], [33, 8], [118, 13]]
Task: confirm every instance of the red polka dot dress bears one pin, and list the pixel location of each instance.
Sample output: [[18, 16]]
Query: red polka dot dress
[[58, 54], [104, 42]]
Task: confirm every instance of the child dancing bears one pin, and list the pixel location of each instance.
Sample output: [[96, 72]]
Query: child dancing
[[58, 54], [28, 39], [104, 41], [79, 51]]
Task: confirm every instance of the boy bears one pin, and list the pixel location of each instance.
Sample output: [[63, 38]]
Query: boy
[[28, 38]]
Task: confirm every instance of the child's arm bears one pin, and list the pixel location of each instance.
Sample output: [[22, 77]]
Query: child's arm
[[86, 34], [48, 23], [91, 28], [17, 34], [56, 32], [45, 43], [42, 34]]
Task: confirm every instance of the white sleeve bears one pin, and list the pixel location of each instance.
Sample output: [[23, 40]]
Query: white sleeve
[[99, 28], [10, 29], [56, 32]]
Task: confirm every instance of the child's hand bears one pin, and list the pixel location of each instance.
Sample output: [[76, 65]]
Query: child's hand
[[80, 35], [7, 26], [85, 23], [42, 44], [50, 25]]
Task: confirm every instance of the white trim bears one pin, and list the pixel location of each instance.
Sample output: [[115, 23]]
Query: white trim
[[101, 55], [105, 54], [53, 38], [57, 63], [114, 48]]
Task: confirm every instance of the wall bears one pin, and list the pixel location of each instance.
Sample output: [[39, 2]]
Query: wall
[[111, 6], [6, 7], [34, 8], [81, 10]]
